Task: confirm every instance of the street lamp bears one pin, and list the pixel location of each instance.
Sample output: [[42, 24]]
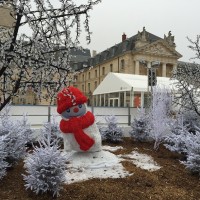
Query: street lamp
[[151, 76]]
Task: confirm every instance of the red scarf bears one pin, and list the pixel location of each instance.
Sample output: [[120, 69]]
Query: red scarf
[[76, 125]]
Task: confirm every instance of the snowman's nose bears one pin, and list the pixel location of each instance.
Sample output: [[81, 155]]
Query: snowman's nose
[[75, 109]]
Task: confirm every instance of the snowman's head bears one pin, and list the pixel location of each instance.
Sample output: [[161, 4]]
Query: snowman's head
[[74, 111], [71, 102]]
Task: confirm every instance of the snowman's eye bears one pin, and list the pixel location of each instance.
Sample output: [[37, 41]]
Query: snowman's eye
[[68, 110], [80, 105]]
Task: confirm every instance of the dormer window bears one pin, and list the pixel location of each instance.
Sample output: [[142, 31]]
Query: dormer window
[[124, 45], [113, 51]]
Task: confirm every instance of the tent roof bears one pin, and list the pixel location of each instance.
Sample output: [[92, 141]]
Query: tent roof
[[118, 82]]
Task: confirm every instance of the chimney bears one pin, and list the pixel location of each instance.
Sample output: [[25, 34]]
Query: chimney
[[94, 53], [123, 37]]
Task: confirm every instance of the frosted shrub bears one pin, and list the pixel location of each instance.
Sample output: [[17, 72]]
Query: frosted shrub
[[176, 140], [6, 123], [53, 128], [140, 128], [193, 153], [45, 167], [103, 133], [112, 132], [3, 155], [14, 137], [26, 130], [191, 121]]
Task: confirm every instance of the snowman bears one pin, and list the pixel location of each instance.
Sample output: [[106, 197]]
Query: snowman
[[79, 130]]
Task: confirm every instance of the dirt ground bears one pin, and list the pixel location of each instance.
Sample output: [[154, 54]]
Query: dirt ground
[[171, 182]]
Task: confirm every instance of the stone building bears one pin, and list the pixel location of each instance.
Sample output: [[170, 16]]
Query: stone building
[[125, 57], [6, 18]]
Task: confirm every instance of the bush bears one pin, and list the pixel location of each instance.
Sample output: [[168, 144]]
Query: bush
[[193, 153], [140, 128], [112, 132], [46, 166], [3, 155], [14, 136]]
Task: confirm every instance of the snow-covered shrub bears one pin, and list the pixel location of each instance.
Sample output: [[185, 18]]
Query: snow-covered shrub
[[15, 144], [193, 153], [6, 123], [111, 133], [45, 166], [3, 155], [140, 126], [102, 131], [176, 141], [52, 128], [27, 131], [191, 120], [14, 136], [159, 115]]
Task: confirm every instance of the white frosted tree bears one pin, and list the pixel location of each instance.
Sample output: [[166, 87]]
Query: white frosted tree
[[176, 140], [3, 155], [35, 50], [53, 128], [140, 126], [193, 153], [27, 131], [14, 136], [45, 166], [112, 132], [159, 114]]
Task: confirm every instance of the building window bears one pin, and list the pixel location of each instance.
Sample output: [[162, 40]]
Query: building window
[[82, 88], [83, 77], [113, 51], [95, 84], [88, 75], [75, 78], [111, 67], [88, 87], [122, 64], [103, 70], [95, 73]]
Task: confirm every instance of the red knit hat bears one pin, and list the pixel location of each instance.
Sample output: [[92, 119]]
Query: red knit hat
[[69, 97]]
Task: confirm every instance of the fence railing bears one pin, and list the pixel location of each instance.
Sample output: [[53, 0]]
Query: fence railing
[[37, 115]]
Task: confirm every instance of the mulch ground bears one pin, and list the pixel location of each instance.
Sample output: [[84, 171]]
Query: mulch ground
[[171, 182]]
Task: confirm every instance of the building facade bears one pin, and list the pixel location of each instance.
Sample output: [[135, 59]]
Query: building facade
[[126, 57]]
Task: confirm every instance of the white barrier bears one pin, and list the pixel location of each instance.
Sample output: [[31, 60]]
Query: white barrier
[[37, 115]]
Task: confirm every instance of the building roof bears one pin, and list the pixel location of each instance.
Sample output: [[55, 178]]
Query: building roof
[[120, 48], [119, 82]]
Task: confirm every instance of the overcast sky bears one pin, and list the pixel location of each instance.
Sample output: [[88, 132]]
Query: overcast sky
[[111, 18]]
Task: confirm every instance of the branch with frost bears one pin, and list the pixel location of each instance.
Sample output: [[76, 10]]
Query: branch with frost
[[187, 84], [41, 54]]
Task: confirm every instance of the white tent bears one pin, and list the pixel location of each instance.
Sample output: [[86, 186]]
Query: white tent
[[122, 83]]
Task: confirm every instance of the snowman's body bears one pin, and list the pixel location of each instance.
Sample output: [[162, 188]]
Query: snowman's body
[[92, 131], [70, 142]]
